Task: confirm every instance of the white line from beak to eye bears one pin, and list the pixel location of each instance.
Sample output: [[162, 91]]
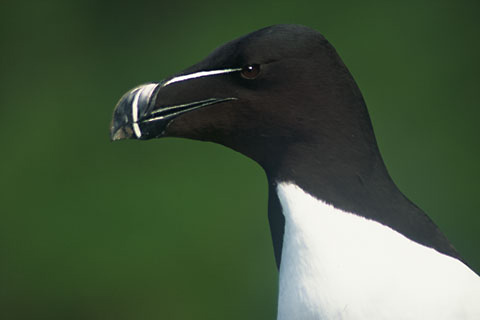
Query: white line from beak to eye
[[199, 75], [135, 125]]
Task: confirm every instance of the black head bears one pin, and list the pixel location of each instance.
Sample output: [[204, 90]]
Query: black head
[[275, 89]]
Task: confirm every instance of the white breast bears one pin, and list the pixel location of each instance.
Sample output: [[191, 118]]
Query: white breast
[[337, 265]]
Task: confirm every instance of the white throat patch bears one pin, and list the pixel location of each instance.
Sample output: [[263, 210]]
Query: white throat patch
[[337, 265]]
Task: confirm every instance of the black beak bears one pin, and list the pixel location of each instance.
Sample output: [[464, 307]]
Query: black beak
[[141, 115], [131, 108]]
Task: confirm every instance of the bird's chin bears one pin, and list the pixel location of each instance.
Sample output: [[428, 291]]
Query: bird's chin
[[146, 132]]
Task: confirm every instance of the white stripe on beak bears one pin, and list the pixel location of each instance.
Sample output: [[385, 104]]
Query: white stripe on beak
[[143, 95], [199, 74], [135, 125]]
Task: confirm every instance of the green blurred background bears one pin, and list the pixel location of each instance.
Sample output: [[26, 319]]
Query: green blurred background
[[177, 229]]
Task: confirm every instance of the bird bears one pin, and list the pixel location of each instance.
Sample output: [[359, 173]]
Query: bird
[[347, 243]]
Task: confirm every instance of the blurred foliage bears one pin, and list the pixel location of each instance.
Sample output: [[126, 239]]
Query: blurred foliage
[[176, 229]]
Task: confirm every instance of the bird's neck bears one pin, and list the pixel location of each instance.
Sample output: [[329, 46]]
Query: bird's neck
[[359, 184], [343, 184], [345, 178]]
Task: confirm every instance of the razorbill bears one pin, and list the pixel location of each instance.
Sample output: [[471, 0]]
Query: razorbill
[[348, 243]]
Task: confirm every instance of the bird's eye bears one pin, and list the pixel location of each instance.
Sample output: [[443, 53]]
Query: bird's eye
[[251, 71]]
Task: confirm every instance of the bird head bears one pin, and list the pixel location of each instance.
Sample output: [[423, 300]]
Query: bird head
[[260, 94]]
